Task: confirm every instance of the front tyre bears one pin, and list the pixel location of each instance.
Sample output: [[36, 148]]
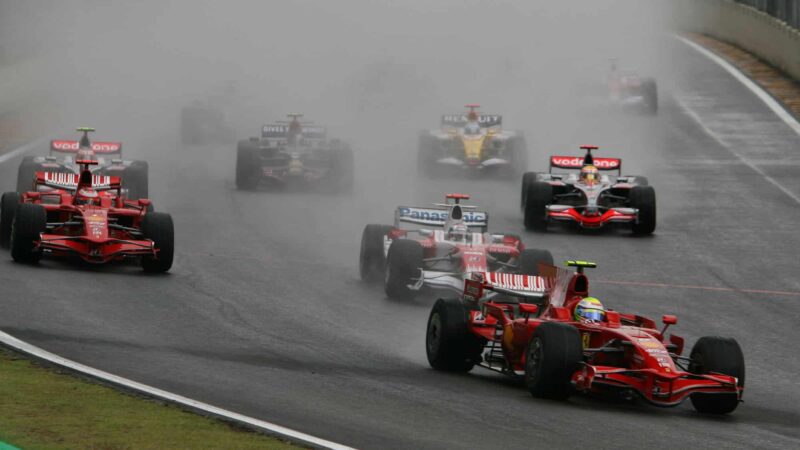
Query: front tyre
[[30, 221], [449, 345], [158, 227], [552, 356], [530, 258], [643, 198], [371, 260], [8, 208], [720, 355]]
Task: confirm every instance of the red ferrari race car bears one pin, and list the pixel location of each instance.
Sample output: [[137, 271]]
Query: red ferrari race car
[[588, 198], [547, 331], [87, 216], [438, 247], [109, 162]]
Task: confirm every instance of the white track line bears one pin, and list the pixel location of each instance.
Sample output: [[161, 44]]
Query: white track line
[[691, 113], [20, 150], [748, 83], [760, 93], [267, 427]]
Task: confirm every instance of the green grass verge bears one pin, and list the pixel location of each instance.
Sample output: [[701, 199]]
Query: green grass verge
[[41, 408]]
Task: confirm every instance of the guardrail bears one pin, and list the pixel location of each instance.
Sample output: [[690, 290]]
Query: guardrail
[[785, 10], [755, 31]]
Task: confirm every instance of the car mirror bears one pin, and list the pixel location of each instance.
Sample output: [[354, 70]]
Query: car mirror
[[527, 309], [669, 319]]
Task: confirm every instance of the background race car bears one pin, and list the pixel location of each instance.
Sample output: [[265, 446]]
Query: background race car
[[530, 327], [108, 155], [438, 247], [570, 197], [84, 215], [294, 153], [472, 143], [629, 90]]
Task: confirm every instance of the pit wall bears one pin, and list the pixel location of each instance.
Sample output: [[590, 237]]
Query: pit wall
[[754, 31]]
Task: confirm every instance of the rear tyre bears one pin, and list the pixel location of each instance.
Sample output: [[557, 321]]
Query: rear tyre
[[248, 165], [26, 173], [540, 194], [135, 178], [29, 222], [403, 264], [643, 198], [553, 354], [8, 207], [530, 258], [158, 227], [449, 345], [528, 178], [720, 355], [371, 260]]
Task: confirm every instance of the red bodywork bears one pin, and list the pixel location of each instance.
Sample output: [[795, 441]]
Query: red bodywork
[[624, 353], [106, 231]]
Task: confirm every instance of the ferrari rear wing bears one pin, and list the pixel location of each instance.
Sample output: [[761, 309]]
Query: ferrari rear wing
[[69, 181], [576, 162], [100, 148], [437, 217]]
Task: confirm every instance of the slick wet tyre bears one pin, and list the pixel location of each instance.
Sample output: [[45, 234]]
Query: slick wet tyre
[[403, 264], [552, 356], [136, 177], [720, 355], [643, 198], [26, 173], [371, 260], [29, 222], [8, 207], [528, 178], [540, 194], [248, 165], [158, 227], [530, 258], [449, 344]]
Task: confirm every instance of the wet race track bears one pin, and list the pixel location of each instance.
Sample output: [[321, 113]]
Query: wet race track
[[264, 314]]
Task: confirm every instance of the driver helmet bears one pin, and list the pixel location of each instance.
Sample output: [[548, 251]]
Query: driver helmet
[[458, 232], [472, 128], [87, 196], [590, 174], [590, 310]]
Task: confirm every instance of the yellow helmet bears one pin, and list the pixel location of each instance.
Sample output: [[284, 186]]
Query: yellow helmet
[[590, 174], [590, 309]]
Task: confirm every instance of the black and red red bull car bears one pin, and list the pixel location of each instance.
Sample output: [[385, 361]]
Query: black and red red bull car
[[294, 154]]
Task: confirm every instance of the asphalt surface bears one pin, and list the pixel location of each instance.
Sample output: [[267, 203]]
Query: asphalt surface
[[264, 314]]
